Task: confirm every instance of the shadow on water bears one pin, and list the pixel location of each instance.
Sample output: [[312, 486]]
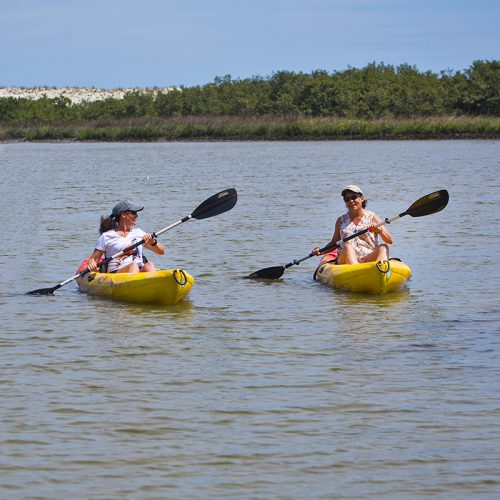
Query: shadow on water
[[262, 281], [133, 309], [349, 299], [184, 306]]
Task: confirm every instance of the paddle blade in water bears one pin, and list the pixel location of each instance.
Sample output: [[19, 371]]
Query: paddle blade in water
[[42, 291], [269, 273], [429, 204], [216, 204]]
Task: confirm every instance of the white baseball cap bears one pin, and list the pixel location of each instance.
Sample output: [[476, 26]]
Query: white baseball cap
[[353, 188]]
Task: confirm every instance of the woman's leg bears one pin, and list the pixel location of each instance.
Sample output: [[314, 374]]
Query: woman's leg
[[379, 253], [148, 267], [131, 268], [348, 255]]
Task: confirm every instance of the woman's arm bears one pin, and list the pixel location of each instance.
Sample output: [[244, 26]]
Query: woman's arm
[[151, 243], [336, 232], [94, 259], [382, 231]]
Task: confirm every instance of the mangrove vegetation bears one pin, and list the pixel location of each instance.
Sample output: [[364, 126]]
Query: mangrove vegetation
[[378, 101]]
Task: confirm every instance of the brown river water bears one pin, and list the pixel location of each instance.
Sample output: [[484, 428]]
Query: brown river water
[[251, 389]]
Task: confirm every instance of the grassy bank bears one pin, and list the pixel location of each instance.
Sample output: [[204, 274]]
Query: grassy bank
[[259, 128]]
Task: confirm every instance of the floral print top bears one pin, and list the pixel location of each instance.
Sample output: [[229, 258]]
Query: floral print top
[[365, 243]]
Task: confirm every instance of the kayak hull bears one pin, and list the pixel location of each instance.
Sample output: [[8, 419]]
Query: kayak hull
[[377, 278], [162, 287]]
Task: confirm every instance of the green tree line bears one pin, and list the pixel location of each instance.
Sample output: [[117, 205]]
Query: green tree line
[[377, 91]]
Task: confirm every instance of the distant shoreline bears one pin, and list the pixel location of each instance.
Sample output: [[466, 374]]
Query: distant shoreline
[[251, 129]]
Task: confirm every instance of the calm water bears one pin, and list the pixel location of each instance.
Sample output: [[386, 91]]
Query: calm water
[[250, 390]]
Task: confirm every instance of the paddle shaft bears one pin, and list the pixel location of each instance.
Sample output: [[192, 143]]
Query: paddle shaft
[[333, 246]]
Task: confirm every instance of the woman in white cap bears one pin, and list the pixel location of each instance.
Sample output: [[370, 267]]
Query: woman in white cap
[[364, 248], [118, 232]]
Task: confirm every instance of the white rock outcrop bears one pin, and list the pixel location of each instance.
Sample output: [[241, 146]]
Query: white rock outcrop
[[75, 94]]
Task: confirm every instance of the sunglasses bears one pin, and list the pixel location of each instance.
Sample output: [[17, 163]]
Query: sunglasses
[[351, 198]]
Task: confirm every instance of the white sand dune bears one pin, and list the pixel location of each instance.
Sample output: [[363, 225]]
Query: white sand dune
[[75, 94]]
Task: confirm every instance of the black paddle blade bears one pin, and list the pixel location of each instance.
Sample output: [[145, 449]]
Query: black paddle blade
[[43, 291], [216, 204], [269, 273], [429, 204]]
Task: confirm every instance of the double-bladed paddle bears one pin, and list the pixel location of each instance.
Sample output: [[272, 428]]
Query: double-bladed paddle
[[427, 205], [215, 205]]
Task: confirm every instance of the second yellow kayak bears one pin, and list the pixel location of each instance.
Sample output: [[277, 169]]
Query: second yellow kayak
[[376, 278]]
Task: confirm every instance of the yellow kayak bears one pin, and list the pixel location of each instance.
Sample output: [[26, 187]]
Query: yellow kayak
[[163, 287], [376, 278]]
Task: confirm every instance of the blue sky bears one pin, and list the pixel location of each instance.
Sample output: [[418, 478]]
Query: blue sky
[[146, 43]]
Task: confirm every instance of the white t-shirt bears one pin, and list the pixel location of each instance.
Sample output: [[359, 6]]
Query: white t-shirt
[[111, 242]]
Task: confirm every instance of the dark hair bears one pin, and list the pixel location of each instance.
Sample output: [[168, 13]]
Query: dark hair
[[108, 223], [364, 203]]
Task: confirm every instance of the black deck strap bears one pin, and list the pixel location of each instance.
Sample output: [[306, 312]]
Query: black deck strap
[[183, 274], [382, 270]]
